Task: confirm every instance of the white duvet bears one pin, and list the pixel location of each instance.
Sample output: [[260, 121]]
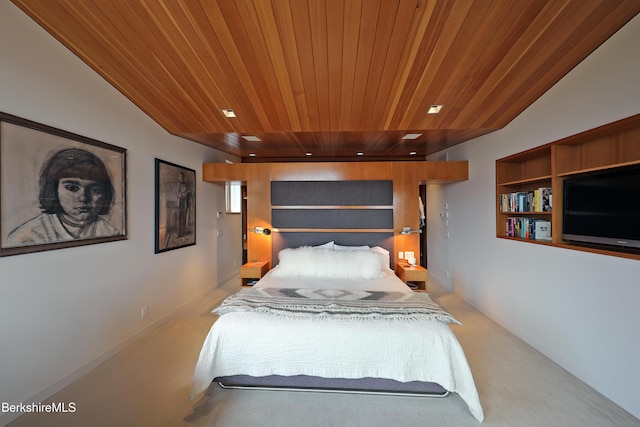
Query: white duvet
[[260, 344]]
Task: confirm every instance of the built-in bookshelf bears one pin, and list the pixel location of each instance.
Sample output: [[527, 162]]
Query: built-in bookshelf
[[525, 194], [529, 184]]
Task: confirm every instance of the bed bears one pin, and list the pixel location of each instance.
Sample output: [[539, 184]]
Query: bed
[[286, 332]]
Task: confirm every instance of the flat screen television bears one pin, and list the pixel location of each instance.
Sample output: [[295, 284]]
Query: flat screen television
[[603, 208]]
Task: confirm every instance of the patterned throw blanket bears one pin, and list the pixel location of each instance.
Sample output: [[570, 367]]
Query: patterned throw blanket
[[335, 304]]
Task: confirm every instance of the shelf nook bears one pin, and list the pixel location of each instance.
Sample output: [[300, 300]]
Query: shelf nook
[[521, 177]]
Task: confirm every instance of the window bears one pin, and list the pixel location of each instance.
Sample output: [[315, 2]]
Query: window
[[233, 193]]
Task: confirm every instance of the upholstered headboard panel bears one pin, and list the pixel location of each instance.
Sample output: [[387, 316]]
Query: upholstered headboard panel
[[350, 213], [332, 218], [332, 193]]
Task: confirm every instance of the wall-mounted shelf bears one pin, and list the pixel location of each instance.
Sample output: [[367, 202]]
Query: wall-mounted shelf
[[253, 271], [613, 145]]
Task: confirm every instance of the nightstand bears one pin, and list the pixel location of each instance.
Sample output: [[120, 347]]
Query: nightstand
[[415, 274], [253, 270]]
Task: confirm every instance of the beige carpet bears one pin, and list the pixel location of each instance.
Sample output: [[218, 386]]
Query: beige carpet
[[148, 385]]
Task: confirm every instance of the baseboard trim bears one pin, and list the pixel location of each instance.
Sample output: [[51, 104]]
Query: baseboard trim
[[48, 392], [438, 280]]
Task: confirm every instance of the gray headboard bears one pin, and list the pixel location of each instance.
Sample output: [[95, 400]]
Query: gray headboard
[[350, 213]]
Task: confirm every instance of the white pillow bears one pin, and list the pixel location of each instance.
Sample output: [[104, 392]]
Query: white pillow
[[350, 248], [328, 245], [383, 254], [312, 262]]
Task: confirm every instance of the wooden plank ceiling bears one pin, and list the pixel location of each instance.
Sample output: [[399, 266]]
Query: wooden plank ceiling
[[331, 77]]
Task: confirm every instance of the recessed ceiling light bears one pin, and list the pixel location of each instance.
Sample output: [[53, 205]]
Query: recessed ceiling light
[[435, 109], [360, 153], [251, 138], [412, 136], [252, 154], [413, 153], [309, 154], [228, 113]]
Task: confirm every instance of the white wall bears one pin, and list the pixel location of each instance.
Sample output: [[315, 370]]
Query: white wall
[[579, 309], [62, 311]]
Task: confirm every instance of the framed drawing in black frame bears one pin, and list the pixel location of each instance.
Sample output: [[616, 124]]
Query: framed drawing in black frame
[[175, 224], [58, 189]]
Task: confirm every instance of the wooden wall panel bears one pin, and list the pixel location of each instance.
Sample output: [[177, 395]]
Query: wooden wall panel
[[406, 177], [258, 212]]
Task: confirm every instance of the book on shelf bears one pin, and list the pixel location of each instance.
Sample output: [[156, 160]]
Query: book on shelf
[[538, 200], [528, 228], [542, 229], [545, 199]]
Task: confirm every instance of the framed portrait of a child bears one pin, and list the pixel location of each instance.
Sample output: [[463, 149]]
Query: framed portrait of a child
[[58, 189]]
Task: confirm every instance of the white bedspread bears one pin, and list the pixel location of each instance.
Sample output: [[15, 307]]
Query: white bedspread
[[260, 344]]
